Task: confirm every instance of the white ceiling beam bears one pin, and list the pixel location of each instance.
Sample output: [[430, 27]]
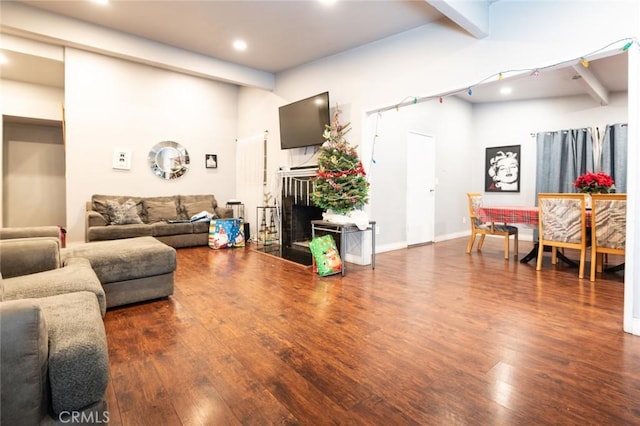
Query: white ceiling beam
[[591, 84], [31, 47], [472, 16], [25, 22]]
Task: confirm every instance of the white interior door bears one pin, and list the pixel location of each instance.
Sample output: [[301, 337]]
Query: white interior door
[[421, 187]]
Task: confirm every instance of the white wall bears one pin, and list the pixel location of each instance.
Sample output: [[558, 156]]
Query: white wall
[[631, 316], [31, 100], [513, 123], [450, 124], [438, 58], [112, 103], [257, 113]]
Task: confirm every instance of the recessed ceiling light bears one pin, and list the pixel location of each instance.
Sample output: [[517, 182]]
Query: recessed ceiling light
[[3, 59], [240, 45], [328, 2], [102, 2], [506, 90]]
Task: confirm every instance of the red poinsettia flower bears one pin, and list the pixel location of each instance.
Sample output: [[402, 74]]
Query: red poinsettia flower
[[590, 183]]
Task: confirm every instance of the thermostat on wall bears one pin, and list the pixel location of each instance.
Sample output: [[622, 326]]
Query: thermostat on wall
[[122, 159]]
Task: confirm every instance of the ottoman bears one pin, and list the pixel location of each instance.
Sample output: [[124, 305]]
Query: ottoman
[[130, 270]]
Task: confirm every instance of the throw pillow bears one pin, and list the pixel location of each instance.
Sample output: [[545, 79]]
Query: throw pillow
[[158, 211], [123, 214], [195, 207], [99, 204]]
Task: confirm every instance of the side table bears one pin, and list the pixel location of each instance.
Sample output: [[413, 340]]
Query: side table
[[343, 229], [237, 207]]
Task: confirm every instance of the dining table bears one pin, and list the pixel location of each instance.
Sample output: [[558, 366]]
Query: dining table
[[521, 215], [524, 215]]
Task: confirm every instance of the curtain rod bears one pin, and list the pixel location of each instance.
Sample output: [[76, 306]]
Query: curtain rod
[[582, 128]]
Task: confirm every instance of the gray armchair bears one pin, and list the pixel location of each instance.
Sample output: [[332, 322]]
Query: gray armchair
[[54, 364]]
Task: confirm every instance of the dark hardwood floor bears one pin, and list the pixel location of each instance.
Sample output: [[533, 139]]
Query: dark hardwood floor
[[432, 336]]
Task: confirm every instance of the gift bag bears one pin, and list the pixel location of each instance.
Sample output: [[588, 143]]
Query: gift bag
[[224, 233], [326, 256]]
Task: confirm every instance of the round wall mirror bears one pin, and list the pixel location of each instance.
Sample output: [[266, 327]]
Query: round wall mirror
[[168, 160]]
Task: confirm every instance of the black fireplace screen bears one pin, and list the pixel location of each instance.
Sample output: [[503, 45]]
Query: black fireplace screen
[[301, 217]]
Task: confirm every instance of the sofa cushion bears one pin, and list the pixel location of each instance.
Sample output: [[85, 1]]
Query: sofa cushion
[[191, 205], [123, 213], [78, 355], [163, 228], [117, 232], [93, 218], [201, 227], [159, 209]]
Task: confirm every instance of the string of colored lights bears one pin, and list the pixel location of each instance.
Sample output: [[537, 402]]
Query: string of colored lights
[[412, 100], [584, 60]]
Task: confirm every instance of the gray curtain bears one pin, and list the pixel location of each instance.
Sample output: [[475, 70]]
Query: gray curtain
[[562, 156], [614, 155]]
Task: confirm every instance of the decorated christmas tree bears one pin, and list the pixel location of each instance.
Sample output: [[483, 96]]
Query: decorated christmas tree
[[341, 185]]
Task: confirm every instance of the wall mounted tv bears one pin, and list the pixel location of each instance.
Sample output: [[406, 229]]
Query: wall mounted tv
[[302, 123]]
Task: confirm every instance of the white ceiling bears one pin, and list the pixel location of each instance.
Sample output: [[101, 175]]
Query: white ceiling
[[285, 34], [280, 34], [566, 79]]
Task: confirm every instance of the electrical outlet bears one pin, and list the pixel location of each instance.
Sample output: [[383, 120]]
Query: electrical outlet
[[464, 219], [377, 230]]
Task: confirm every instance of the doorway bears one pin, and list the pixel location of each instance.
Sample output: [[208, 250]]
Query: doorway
[[420, 189], [33, 173]]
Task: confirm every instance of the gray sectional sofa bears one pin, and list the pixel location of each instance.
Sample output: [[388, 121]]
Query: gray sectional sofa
[[54, 362], [112, 217]]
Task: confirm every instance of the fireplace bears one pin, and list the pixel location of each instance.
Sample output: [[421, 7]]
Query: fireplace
[[297, 213], [300, 226]]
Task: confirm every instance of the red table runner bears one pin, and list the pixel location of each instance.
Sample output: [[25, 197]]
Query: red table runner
[[509, 214], [527, 215]]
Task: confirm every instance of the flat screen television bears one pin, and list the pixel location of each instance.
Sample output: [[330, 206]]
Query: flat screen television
[[302, 123]]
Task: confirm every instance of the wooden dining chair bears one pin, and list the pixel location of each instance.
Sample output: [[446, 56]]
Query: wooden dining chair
[[608, 227], [478, 227], [562, 224]]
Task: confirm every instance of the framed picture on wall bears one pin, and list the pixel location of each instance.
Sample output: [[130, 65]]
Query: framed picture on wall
[[502, 169], [211, 161]]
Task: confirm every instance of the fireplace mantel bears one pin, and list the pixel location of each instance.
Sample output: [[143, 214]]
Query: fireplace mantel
[[307, 171], [297, 183]]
